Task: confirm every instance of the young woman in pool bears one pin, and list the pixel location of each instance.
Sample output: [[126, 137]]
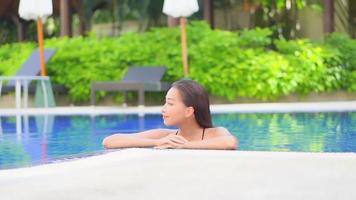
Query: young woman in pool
[[187, 108]]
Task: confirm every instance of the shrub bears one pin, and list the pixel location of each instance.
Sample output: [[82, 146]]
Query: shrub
[[255, 38], [347, 48], [228, 64], [317, 68], [80, 60]]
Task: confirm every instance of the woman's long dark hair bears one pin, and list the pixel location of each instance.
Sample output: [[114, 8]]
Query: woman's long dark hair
[[194, 95]]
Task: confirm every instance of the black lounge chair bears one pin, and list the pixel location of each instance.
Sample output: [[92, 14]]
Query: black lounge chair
[[138, 79]]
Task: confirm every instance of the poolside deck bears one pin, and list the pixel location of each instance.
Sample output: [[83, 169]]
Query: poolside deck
[[187, 174]]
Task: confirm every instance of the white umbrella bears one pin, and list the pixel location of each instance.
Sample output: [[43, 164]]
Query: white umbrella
[[37, 10], [181, 9]]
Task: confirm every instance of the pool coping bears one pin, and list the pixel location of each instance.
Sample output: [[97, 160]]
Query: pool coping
[[339, 106], [239, 175]]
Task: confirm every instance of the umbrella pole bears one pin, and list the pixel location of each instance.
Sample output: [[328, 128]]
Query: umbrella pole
[[184, 45], [40, 45]]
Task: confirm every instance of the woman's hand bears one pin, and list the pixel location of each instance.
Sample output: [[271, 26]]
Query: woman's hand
[[171, 142]]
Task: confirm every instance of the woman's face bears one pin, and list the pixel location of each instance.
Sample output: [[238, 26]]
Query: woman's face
[[174, 111]]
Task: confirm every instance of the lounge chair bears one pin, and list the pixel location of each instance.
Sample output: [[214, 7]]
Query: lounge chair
[[140, 79], [26, 74], [32, 66]]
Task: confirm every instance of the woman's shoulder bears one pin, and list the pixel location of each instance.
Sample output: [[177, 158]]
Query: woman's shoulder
[[218, 131]]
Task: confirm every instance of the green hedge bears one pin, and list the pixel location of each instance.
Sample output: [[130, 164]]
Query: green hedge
[[347, 49], [229, 64]]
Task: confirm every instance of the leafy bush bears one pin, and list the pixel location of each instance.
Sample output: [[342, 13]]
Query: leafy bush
[[226, 69], [255, 38], [350, 81], [228, 64], [347, 48], [318, 68], [80, 60]]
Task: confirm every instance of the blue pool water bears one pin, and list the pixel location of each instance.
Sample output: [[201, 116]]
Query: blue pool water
[[31, 140]]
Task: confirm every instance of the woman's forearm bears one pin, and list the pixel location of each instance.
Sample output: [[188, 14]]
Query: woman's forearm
[[222, 143], [123, 141]]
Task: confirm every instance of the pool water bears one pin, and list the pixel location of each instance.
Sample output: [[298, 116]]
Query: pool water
[[32, 140]]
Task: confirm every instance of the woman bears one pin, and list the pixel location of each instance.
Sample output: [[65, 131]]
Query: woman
[[187, 108]]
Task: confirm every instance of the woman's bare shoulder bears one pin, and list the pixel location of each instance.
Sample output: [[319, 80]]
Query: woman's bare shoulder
[[218, 131]]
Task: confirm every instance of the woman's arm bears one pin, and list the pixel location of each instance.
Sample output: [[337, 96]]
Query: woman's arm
[[148, 138], [220, 139]]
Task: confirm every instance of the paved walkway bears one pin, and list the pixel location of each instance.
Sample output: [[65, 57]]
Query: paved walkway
[[187, 174]]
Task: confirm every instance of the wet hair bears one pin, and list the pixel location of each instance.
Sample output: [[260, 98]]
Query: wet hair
[[194, 95]]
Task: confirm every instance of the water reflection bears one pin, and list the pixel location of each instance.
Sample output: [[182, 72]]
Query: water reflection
[[17, 147], [308, 132], [44, 138], [27, 140]]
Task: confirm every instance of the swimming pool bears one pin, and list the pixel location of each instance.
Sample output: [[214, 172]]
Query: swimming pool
[[27, 140]]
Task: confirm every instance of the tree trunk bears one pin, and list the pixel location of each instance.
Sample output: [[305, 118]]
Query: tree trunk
[[329, 22], [21, 28], [352, 17], [209, 12], [172, 22], [82, 21], [65, 16]]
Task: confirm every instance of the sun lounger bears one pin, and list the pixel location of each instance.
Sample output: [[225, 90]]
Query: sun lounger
[[140, 79], [27, 73]]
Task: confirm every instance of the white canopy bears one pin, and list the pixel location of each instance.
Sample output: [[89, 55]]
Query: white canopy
[[32, 9], [180, 8]]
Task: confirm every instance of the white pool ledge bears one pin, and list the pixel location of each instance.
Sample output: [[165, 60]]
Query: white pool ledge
[[188, 174], [339, 106]]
